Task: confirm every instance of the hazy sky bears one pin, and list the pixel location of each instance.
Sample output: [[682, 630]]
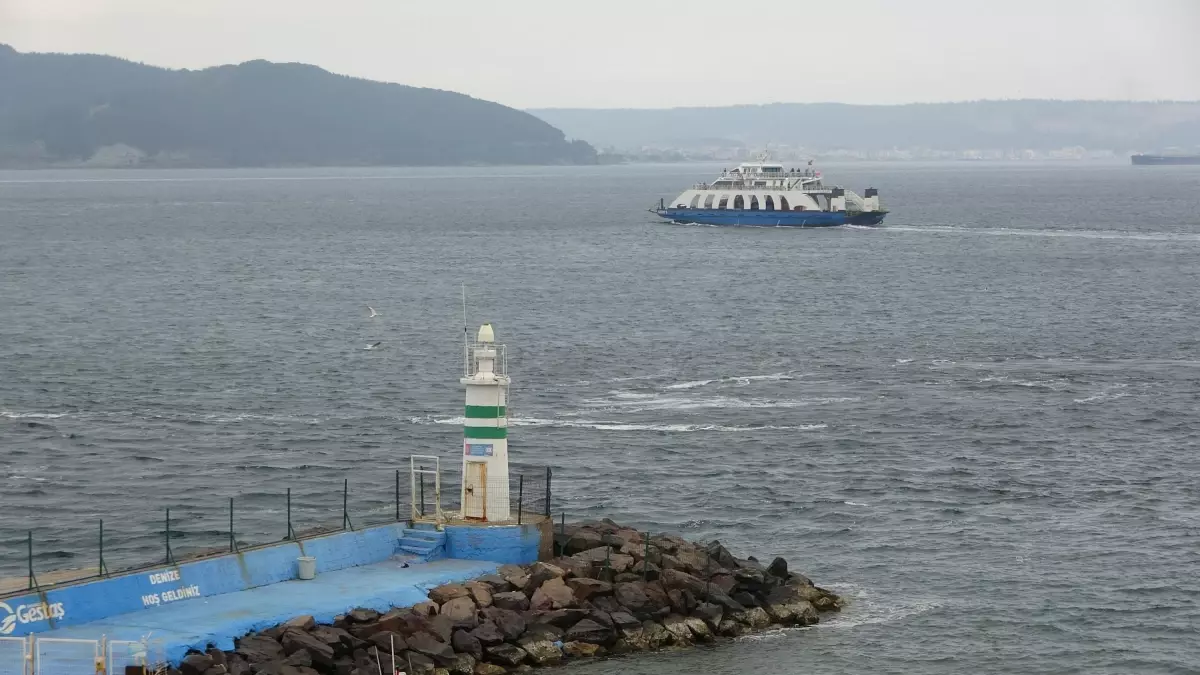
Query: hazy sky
[[660, 53]]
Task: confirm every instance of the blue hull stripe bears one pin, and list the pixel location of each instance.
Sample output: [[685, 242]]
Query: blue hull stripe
[[769, 218]]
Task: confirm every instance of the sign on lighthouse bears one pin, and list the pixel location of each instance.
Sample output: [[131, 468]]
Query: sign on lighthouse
[[485, 432]]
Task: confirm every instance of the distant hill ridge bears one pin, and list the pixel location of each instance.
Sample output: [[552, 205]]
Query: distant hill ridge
[[76, 108], [1033, 124]]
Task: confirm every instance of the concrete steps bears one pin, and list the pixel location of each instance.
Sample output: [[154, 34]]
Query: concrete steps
[[423, 542]]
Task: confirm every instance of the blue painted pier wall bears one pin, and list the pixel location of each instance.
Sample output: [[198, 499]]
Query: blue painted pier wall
[[220, 598]]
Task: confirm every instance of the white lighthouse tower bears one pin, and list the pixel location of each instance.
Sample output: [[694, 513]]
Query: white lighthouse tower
[[485, 432]]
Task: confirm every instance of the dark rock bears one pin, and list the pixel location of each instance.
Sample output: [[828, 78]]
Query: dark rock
[[590, 631], [195, 664], [599, 557], [614, 540], [362, 615], [677, 579], [721, 555], [424, 643], [515, 576], [460, 612], [341, 641], [601, 617], [586, 588], [506, 654], [259, 649], [514, 600], [487, 634], [745, 599], [582, 650], [542, 631], [726, 603], [443, 627], [624, 620], [573, 567], [419, 663], [541, 652], [563, 618], [689, 560], [489, 669], [218, 657], [480, 592], [447, 592], [606, 603], [683, 601], [711, 615], [553, 594], [466, 643], [632, 596], [778, 568], [388, 642], [626, 577], [725, 582], [797, 579], [236, 665], [496, 582], [427, 608], [749, 580], [511, 624], [300, 659], [583, 540], [657, 596], [296, 640]]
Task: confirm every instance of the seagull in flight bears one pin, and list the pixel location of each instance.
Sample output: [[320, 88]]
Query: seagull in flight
[[373, 313], [373, 345]]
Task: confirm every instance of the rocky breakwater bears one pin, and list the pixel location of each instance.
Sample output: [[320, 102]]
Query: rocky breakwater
[[612, 591]]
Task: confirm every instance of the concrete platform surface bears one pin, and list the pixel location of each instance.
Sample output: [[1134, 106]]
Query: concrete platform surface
[[220, 619]]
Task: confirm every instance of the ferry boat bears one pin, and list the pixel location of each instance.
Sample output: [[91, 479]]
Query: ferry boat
[[771, 195]]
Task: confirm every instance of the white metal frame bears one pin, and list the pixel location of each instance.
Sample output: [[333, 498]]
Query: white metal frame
[[40, 668], [436, 471], [20, 667]]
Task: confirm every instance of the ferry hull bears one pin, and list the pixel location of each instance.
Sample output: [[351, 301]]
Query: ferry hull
[[754, 218]]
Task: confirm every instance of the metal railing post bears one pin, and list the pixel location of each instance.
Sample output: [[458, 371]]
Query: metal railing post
[[520, 496], [397, 495], [421, 477], [646, 558], [103, 568], [167, 537], [548, 476], [291, 534], [232, 536], [29, 546], [345, 505]]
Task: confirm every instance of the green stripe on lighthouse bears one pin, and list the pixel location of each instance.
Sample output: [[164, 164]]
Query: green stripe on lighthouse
[[485, 432], [490, 412]]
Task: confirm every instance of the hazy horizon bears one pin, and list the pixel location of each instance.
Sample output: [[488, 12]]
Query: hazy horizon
[[627, 54]]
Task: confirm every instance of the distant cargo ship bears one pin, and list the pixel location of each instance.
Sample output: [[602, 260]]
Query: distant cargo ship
[[1154, 160]]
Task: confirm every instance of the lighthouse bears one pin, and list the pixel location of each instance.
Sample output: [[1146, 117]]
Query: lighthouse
[[485, 431]]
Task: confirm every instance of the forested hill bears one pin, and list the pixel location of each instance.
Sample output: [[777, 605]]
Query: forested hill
[[78, 108], [1036, 124]]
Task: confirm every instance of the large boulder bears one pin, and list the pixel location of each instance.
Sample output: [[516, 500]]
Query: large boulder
[[749, 579], [778, 569], [490, 669], [496, 582], [710, 613], [486, 634], [361, 615], [442, 626], [195, 664], [633, 597], [599, 557], [655, 634], [786, 606], [541, 652], [647, 570], [539, 574], [510, 624], [606, 603], [513, 600], [562, 618], [388, 642], [305, 622], [447, 592], [573, 567], [480, 592], [588, 630], [427, 608], [259, 649], [465, 643], [295, 640], [700, 630], [516, 576], [723, 582], [542, 631], [718, 597], [624, 620], [460, 612], [464, 664], [731, 628], [418, 662], [721, 555], [583, 540], [677, 626], [586, 588], [505, 654], [424, 643], [754, 617], [337, 638], [553, 594], [683, 601], [676, 579]]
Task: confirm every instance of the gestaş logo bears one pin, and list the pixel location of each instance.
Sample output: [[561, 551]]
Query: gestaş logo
[[9, 622], [28, 614]]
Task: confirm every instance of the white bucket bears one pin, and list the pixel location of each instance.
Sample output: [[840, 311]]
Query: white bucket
[[307, 567]]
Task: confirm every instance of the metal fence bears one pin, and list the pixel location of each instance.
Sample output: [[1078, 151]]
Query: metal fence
[[14, 656], [188, 531], [57, 656], [527, 492]]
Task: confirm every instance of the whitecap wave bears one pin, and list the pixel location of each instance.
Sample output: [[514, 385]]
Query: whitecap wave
[[31, 415], [1069, 234], [609, 425], [726, 402], [1109, 393], [739, 380]]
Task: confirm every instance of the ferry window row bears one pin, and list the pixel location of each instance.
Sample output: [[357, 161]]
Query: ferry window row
[[739, 202]]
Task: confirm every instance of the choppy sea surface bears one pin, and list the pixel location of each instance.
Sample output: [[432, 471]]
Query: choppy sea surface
[[978, 422]]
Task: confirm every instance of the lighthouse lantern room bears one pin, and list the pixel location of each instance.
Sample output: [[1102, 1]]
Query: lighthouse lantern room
[[485, 432]]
